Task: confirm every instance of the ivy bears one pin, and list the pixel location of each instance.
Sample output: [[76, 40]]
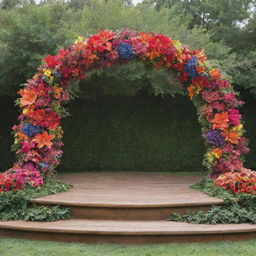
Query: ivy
[[238, 208], [230, 214], [17, 206]]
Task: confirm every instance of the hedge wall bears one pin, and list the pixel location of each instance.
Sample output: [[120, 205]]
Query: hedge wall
[[139, 133]]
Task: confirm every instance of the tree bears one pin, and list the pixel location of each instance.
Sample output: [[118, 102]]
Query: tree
[[224, 19], [29, 33]]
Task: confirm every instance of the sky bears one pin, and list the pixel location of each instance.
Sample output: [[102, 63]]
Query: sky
[[136, 1]]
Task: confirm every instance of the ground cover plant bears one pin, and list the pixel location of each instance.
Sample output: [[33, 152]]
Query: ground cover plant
[[16, 205], [238, 208]]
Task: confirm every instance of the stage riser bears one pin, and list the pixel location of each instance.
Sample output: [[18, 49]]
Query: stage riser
[[107, 213], [125, 239]]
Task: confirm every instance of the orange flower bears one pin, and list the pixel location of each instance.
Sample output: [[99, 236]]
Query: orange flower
[[200, 69], [190, 90], [193, 90], [152, 54], [43, 139], [220, 121], [21, 136], [200, 54], [146, 37], [231, 136], [57, 92], [28, 97], [217, 152], [215, 73]]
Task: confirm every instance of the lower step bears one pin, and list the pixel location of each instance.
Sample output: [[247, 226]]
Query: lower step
[[126, 232], [130, 213]]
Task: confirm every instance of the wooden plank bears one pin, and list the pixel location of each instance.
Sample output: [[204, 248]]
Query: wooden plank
[[130, 189], [113, 227]]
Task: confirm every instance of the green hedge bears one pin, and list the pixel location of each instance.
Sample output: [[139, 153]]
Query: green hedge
[[139, 133]]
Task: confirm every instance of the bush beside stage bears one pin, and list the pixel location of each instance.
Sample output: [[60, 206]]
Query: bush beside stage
[[139, 133]]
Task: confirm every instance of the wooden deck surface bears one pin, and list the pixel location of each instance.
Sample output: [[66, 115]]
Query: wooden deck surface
[[128, 208], [113, 227], [129, 189]]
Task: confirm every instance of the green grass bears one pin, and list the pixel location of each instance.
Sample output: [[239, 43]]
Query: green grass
[[20, 247]]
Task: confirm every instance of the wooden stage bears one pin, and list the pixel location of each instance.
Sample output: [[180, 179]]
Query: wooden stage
[[127, 207]]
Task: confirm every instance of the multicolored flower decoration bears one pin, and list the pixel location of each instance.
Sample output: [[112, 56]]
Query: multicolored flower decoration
[[38, 136]]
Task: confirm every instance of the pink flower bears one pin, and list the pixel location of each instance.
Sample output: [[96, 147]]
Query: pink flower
[[138, 46], [242, 146], [26, 146], [231, 101], [210, 97], [222, 84], [234, 117], [112, 55]]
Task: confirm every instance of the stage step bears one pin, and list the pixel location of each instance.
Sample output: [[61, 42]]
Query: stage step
[[129, 196], [129, 208], [141, 211], [127, 232]]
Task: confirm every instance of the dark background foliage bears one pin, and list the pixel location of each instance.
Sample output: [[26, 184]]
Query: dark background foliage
[[137, 133]]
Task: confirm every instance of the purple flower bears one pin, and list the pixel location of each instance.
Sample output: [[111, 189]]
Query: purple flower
[[214, 138]]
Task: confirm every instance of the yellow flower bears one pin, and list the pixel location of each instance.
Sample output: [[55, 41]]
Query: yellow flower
[[201, 63], [79, 39], [210, 156], [177, 44], [215, 153], [238, 128], [16, 141], [47, 72], [25, 111]]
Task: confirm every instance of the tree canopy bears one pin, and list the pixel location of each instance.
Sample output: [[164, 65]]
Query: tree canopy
[[29, 30]]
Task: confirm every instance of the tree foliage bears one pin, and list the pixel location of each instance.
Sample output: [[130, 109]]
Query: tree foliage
[[30, 31], [230, 21]]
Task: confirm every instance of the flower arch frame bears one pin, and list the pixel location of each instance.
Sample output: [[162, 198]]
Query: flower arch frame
[[38, 135]]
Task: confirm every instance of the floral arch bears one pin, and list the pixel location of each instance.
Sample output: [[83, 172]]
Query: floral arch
[[39, 133]]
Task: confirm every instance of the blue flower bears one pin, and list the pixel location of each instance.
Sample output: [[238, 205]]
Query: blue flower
[[125, 51], [190, 67], [43, 165], [30, 130]]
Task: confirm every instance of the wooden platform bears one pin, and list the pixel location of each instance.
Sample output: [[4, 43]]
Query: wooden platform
[[129, 195], [127, 207]]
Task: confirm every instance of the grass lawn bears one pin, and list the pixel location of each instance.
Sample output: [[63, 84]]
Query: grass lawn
[[20, 247]]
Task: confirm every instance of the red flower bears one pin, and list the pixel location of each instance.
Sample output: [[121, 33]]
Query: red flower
[[46, 118], [201, 81], [51, 61], [101, 41]]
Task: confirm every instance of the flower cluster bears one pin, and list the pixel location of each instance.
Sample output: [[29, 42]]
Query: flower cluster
[[18, 178], [30, 130], [125, 51], [238, 182], [38, 135]]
